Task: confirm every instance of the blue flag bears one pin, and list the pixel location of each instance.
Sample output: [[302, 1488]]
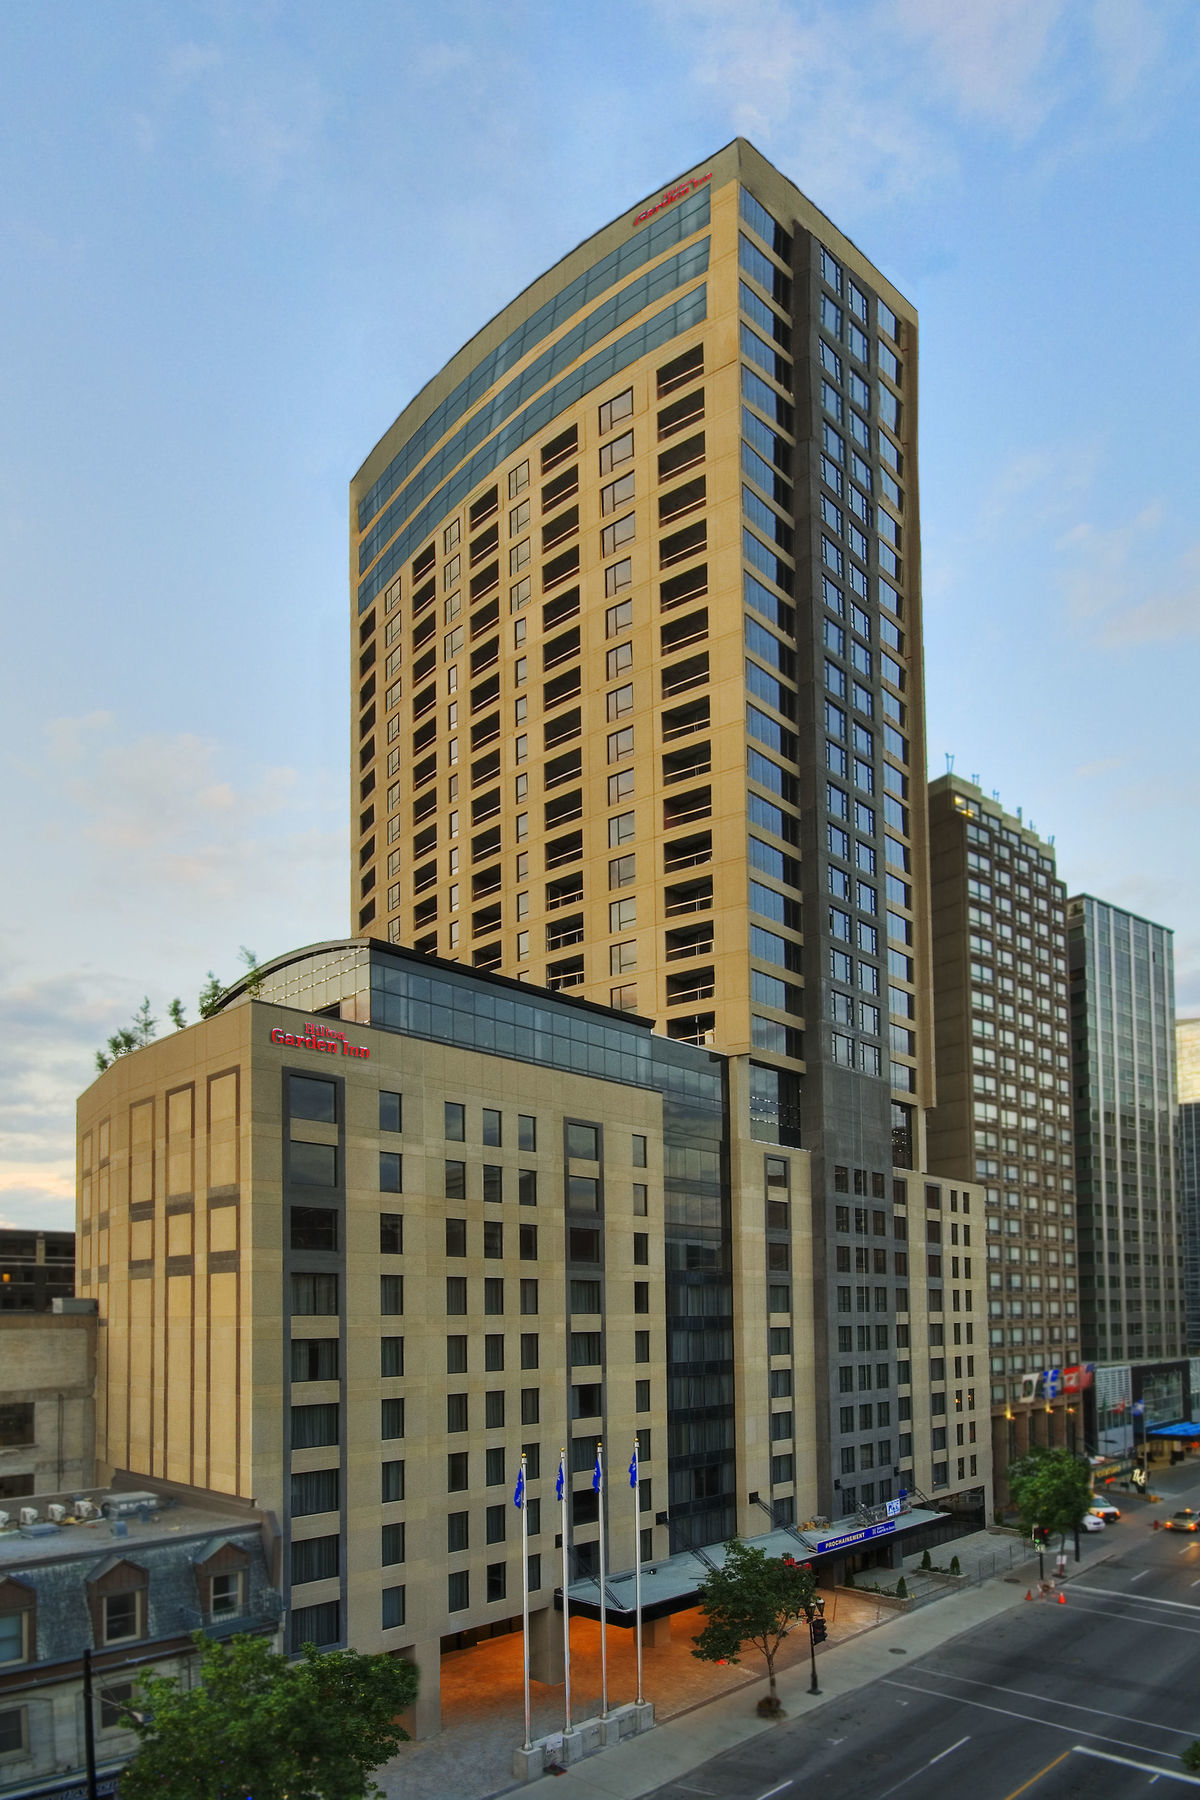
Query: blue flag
[[519, 1494], [558, 1486], [597, 1477], [633, 1468]]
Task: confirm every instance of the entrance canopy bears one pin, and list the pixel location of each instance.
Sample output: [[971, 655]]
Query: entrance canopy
[[671, 1584], [1189, 1428]]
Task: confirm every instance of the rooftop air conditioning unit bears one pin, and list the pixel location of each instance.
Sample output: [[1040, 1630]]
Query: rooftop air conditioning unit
[[4, 1518], [28, 1515], [86, 1509], [56, 1512]]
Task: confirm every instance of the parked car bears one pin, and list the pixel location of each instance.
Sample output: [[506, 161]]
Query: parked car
[[1183, 1520], [1103, 1509], [1092, 1522]]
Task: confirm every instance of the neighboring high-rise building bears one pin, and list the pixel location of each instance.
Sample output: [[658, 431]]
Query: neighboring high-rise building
[[1004, 1099], [1187, 1069], [381, 1224], [638, 708], [1123, 1050]]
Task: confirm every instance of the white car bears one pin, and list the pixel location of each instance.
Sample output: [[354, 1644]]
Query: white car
[[1092, 1522], [1104, 1510]]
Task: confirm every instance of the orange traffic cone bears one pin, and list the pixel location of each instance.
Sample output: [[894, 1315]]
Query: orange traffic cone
[[1062, 1599], [1029, 1593]]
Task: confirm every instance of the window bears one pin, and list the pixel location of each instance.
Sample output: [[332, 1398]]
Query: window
[[391, 1294], [618, 618], [312, 1165], [527, 1187], [614, 411], [620, 705], [122, 1615], [389, 1112], [456, 1294], [317, 1625], [389, 1172], [392, 1481], [391, 1356], [493, 1189], [620, 829], [315, 1295], [391, 1234], [393, 1607], [455, 1121], [310, 1098], [458, 1591], [313, 1491], [313, 1359], [619, 451], [391, 1418], [313, 1426], [491, 1125], [526, 1132], [114, 1698]]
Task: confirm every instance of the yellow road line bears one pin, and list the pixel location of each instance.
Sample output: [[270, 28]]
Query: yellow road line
[[1026, 1785]]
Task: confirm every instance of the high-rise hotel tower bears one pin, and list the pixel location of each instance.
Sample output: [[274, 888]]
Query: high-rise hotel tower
[[638, 710]]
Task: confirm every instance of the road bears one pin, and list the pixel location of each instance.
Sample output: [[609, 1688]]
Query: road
[[1096, 1697]]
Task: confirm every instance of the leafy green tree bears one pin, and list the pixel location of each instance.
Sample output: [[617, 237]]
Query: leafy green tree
[[176, 1014], [261, 1727], [144, 1024], [1051, 1488], [754, 1599], [253, 972], [210, 997], [1190, 1758]]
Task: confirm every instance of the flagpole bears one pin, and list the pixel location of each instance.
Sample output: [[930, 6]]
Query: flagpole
[[524, 1504], [635, 1484], [599, 1486], [562, 1495]]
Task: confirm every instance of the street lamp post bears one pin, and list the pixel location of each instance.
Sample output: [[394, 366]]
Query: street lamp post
[[817, 1630]]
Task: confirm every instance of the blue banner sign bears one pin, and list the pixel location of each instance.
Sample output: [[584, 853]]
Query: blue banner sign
[[855, 1537]]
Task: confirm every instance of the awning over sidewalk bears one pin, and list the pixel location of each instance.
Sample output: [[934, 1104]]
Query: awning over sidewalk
[[671, 1584], [1188, 1429]]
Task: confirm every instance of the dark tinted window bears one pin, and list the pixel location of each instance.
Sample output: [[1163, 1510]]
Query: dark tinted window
[[312, 1165], [314, 1228], [310, 1098], [389, 1112]]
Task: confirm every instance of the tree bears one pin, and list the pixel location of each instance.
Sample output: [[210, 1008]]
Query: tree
[[261, 1725], [144, 1025], [754, 1599], [253, 972], [210, 997], [176, 1014], [1051, 1488]]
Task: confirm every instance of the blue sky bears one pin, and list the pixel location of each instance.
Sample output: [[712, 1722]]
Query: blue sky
[[235, 239]]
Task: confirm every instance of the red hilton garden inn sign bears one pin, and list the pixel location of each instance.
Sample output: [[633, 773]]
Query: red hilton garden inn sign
[[325, 1038], [672, 195]]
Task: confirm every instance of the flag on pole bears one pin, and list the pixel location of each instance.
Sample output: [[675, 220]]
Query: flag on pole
[[519, 1492], [562, 1474], [597, 1474], [633, 1466]]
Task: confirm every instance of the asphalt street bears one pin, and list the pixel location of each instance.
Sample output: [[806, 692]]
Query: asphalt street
[[1096, 1697]]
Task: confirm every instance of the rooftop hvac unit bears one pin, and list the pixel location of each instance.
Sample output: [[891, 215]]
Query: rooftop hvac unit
[[4, 1519], [86, 1509], [120, 1506], [28, 1515], [56, 1512]]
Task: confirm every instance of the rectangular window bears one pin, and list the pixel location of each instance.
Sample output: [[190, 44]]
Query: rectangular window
[[392, 1481], [313, 1491], [391, 1418]]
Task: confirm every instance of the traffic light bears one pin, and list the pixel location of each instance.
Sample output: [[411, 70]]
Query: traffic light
[[1041, 1537], [819, 1629]]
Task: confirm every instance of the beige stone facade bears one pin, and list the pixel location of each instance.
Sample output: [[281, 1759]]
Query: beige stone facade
[[1004, 1102], [47, 1383]]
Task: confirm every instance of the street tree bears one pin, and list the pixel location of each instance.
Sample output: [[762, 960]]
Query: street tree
[[753, 1599], [261, 1725], [1052, 1489]]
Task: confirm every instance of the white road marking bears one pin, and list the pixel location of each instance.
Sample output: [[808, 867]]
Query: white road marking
[[1150, 1600], [1128, 1762], [1104, 1612], [1139, 1575], [776, 1790], [1009, 1713], [925, 1767], [1104, 1712]]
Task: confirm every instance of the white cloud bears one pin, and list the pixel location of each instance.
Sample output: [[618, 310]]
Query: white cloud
[[160, 861], [1125, 587], [989, 57]]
